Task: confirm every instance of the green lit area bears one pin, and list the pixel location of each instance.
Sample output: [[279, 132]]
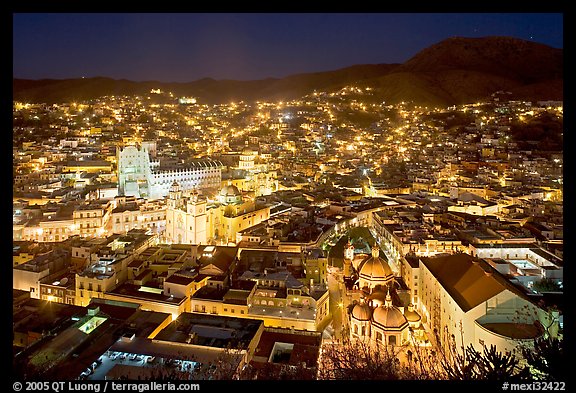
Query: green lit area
[[91, 324]]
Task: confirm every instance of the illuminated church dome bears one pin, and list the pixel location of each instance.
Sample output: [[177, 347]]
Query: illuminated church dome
[[230, 195], [375, 270], [389, 317], [362, 312], [412, 316]]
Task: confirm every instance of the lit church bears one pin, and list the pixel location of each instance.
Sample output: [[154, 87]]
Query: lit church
[[375, 318], [191, 218]]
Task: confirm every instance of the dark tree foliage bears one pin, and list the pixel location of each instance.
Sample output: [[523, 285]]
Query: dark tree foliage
[[546, 129], [492, 365], [360, 360], [547, 360], [466, 363], [274, 371], [546, 285]]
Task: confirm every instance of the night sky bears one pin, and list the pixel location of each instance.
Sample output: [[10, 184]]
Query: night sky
[[187, 47]]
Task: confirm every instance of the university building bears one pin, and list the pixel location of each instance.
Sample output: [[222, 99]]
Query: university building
[[140, 176]]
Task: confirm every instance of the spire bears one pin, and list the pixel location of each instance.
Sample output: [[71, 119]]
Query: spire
[[375, 251], [349, 251], [388, 302]]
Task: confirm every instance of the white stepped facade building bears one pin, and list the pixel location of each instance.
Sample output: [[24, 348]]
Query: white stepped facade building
[[142, 177]]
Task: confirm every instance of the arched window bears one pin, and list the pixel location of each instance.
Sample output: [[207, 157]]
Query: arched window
[[378, 336], [392, 340], [363, 330], [356, 329]]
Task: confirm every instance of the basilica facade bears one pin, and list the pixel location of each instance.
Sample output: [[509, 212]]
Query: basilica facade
[[374, 317], [191, 218]]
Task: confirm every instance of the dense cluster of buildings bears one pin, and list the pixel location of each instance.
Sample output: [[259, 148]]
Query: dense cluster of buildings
[[192, 233]]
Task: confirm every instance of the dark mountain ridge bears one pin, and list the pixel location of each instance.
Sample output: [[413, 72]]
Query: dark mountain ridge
[[454, 71]]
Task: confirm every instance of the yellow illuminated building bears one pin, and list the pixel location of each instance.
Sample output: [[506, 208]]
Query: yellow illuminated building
[[192, 220], [87, 166]]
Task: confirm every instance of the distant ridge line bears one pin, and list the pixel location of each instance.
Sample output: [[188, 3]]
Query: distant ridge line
[[454, 71]]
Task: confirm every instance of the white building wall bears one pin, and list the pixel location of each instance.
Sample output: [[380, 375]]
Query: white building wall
[[452, 320], [138, 176], [177, 290], [28, 281]]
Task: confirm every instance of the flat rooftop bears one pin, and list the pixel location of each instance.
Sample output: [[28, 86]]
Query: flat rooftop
[[211, 330], [210, 293], [303, 313], [166, 350], [304, 339], [133, 291]]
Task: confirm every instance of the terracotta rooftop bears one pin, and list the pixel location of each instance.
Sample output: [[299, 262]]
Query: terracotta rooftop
[[464, 279]]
